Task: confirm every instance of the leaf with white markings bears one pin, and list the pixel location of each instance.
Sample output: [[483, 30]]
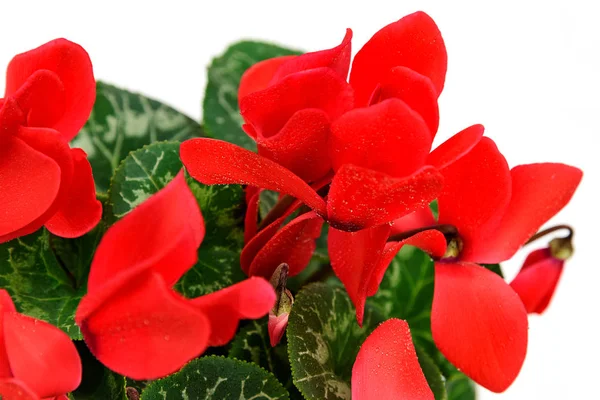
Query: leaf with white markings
[[39, 284], [222, 118], [406, 292], [121, 122], [323, 341], [217, 378], [147, 170]]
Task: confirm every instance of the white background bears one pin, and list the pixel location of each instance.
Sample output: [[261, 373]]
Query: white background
[[528, 70]]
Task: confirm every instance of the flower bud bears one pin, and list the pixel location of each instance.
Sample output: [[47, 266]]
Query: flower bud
[[537, 280], [279, 314]]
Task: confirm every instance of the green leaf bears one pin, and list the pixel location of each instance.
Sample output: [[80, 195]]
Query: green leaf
[[432, 374], [460, 387], [123, 121], [323, 340], [147, 170], [97, 381], [41, 284], [495, 268], [406, 292], [252, 344], [222, 118], [217, 378]]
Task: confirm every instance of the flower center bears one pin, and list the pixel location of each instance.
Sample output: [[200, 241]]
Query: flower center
[[453, 248]]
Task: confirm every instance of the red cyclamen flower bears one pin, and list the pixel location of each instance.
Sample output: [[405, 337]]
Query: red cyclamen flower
[[478, 322], [132, 320], [50, 92], [299, 111], [387, 366], [537, 280], [37, 360]]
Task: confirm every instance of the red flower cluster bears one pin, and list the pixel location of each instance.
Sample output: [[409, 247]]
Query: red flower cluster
[[131, 319], [37, 360], [50, 92], [369, 140]]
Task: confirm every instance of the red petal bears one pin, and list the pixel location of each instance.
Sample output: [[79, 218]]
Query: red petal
[[33, 97], [421, 218], [360, 198], [455, 147], [388, 137], [140, 328], [387, 366], [414, 89], [479, 323], [475, 195], [41, 355], [302, 145], [360, 259], [539, 191], [251, 217], [216, 162], [414, 42], [250, 299], [276, 327], [30, 183], [74, 69], [6, 306], [536, 282], [354, 256], [162, 234], [15, 389], [270, 109], [294, 245], [337, 58], [260, 240], [80, 212], [258, 76]]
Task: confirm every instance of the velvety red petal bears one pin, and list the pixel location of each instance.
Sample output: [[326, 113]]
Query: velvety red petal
[[479, 323], [414, 42], [140, 328], [360, 198], [260, 240], [388, 137], [294, 245], [6, 306], [250, 299], [360, 259], [33, 97], [536, 282], [15, 389], [251, 217], [354, 256], [337, 59], [213, 162], [258, 76], [539, 191], [30, 183], [71, 63], [302, 145], [414, 89], [269, 110], [162, 234], [80, 212], [455, 147], [421, 218], [41, 355], [476, 193], [387, 366]]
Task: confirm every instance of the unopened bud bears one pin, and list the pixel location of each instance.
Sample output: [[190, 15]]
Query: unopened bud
[[278, 316], [561, 248]]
